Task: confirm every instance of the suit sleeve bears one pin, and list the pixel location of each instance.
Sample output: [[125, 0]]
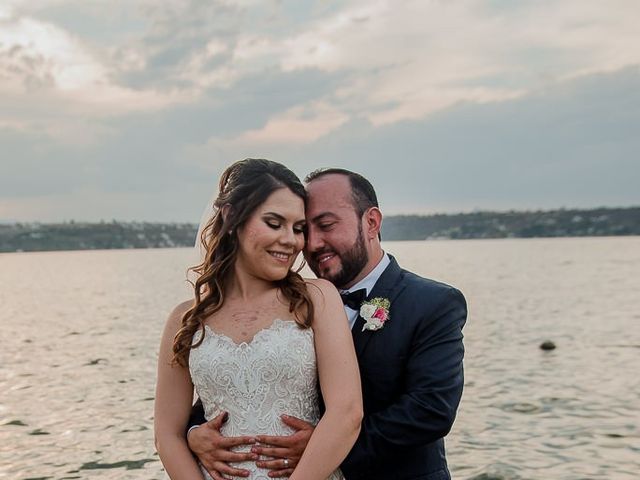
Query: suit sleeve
[[197, 415], [434, 379]]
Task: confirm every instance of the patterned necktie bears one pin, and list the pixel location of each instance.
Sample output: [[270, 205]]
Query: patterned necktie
[[354, 299]]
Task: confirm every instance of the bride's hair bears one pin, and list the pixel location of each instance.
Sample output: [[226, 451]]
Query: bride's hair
[[244, 186]]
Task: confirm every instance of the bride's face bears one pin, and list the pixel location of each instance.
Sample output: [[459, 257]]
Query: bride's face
[[273, 236]]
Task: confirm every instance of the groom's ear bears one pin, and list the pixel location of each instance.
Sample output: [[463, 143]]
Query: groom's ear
[[372, 222]]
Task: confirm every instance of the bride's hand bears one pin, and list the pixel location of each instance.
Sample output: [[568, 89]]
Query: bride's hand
[[282, 448], [214, 450]]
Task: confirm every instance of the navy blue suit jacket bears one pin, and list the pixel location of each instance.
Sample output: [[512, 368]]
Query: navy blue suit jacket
[[412, 379]]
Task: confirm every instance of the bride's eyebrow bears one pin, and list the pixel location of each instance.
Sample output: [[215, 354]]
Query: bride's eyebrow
[[274, 214]]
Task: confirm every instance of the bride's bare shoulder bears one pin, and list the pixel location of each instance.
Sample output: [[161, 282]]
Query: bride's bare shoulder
[[320, 284], [175, 317], [320, 290]]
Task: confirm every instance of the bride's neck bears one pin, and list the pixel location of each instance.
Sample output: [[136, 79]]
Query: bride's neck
[[243, 286]]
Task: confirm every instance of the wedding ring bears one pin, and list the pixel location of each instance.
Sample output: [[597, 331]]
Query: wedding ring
[[286, 463]]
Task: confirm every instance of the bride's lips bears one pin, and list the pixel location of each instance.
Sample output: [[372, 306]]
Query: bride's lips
[[283, 257]]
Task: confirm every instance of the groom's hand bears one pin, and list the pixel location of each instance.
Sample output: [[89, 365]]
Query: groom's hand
[[288, 447], [214, 450]]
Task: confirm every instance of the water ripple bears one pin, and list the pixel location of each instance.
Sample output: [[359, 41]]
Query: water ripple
[[77, 364]]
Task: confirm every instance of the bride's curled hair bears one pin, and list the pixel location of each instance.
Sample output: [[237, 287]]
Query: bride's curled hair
[[244, 186]]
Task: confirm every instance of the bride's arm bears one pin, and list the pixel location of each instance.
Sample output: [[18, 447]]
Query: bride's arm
[[339, 377], [174, 394]]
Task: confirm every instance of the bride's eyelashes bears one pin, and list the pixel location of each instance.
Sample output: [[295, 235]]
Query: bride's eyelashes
[[273, 225], [297, 229]]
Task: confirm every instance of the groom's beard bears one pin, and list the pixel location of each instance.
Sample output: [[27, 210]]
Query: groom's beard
[[352, 262]]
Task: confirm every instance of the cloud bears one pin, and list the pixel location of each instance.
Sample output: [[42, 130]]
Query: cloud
[[420, 57], [51, 81], [466, 101], [570, 144], [397, 61], [301, 124]]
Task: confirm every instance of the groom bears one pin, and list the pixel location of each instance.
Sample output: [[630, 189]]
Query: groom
[[410, 364]]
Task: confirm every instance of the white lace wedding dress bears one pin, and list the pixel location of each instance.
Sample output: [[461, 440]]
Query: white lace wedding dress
[[256, 382]]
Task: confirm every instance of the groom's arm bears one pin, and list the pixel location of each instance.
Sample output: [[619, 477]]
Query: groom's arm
[[196, 418], [426, 410]]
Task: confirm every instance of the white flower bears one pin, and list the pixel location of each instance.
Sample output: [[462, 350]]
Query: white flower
[[373, 324], [367, 310]]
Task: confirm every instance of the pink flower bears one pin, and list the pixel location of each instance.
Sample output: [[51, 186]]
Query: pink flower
[[380, 314]]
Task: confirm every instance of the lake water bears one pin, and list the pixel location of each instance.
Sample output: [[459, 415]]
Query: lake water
[[80, 332]]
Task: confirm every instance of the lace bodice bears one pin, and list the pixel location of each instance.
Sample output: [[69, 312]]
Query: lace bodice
[[257, 381]]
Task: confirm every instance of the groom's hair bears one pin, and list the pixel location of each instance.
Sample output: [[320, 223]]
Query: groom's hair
[[362, 192]]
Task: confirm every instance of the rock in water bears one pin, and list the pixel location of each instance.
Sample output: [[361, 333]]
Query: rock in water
[[547, 345]]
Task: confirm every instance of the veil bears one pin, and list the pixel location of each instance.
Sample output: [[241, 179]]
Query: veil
[[198, 252]]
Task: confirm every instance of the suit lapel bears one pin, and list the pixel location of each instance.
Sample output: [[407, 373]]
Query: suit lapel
[[387, 286]]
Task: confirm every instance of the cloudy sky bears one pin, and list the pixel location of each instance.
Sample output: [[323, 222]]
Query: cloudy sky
[[130, 110]]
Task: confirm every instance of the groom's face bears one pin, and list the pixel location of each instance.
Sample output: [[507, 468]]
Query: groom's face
[[335, 248]]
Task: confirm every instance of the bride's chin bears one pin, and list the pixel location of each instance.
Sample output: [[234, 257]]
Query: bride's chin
[[276, 277]]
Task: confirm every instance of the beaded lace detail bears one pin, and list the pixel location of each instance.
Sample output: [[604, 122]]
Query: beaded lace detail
[[257, 381]]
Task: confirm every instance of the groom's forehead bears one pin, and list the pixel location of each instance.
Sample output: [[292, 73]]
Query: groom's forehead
[[327, 212], [330, 186], [328, 194]]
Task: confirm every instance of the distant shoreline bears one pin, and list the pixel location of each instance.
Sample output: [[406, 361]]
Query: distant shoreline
[[69, 236]]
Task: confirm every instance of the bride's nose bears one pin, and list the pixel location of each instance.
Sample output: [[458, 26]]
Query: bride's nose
[[287, 237]]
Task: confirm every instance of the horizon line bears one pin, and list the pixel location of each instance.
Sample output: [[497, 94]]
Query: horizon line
[[435, 214]]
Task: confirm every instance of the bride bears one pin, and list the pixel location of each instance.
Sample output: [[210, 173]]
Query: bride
[[257, 338]]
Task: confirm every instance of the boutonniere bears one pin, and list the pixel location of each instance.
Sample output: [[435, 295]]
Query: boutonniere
[[375, 313]]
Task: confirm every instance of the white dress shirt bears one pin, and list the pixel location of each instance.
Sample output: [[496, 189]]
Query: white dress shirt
[[367, 283]]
